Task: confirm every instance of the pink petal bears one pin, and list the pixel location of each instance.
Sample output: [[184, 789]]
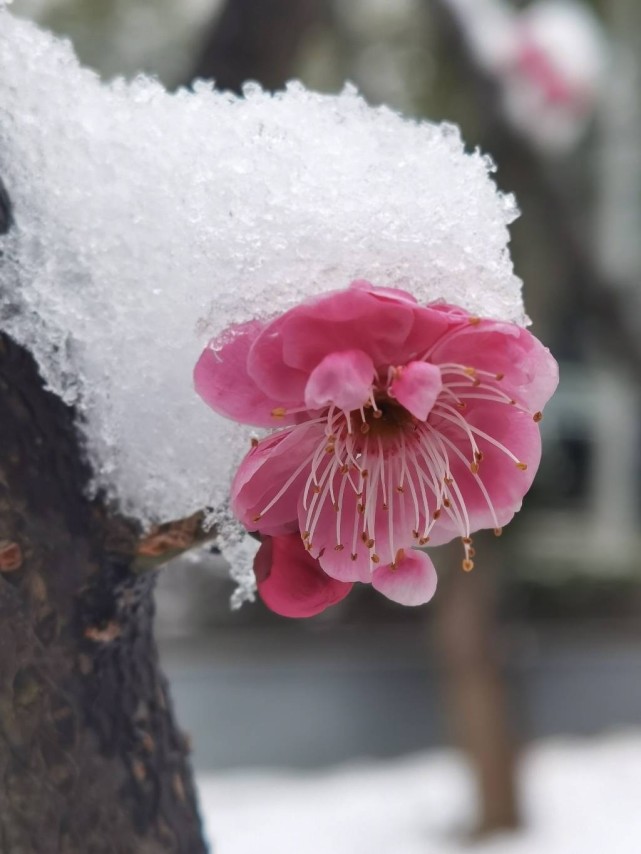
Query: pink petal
[[343, 378], [265, 470], [383, 293], [331, 530], [290, 582], [289, 348], [416, 387], [504, 481], [411, 582], [528, 370], [222, 380]]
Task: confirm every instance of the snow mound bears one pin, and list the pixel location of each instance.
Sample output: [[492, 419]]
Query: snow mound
[[146, 222]]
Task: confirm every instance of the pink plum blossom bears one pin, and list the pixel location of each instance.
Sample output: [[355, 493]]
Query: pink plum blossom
[[395, 425]]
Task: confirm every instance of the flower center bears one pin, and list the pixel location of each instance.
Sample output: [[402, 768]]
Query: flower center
[[380, 479], [385, 418]]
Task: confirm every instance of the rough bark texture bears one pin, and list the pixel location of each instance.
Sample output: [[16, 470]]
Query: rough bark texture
[[257, 40], [91, 760]]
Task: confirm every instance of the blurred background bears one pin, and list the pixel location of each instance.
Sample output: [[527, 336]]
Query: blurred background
[[512, 703]]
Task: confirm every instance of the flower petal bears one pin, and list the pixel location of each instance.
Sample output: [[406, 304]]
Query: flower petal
[[343, 378], [416, 387], [499, 478], [291, 582], [529, 371], [222, 380], [290, 347], [412, 581], [332, 532], [278, 463]]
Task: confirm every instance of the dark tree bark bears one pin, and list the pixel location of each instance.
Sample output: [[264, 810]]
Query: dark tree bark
[[91, 761], [257, 40]]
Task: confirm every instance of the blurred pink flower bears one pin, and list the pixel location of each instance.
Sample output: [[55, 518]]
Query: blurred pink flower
[[398, 425]]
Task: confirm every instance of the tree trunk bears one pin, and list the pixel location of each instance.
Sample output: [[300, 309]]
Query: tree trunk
[[91, 760], [474, 690]]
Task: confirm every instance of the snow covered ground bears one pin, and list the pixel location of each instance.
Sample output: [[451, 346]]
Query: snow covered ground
[[579, 797]]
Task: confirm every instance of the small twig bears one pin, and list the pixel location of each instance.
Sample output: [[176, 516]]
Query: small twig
[[169, 540]]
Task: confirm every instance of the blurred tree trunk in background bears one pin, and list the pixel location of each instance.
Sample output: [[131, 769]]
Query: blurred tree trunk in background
[[257, 40], [475, 699]]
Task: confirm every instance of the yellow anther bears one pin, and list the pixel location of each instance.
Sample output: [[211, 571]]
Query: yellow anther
[[375, 558], [474, 321], [279, 412], [468, 565], [474, 468], [522, 466]]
